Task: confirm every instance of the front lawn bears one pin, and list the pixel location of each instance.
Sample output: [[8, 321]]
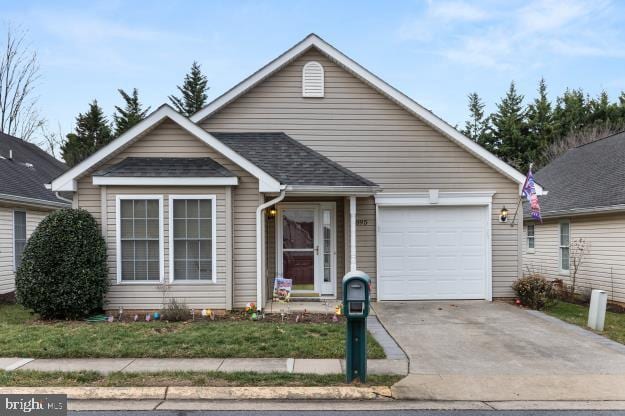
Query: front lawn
[[21, 335], [213, 379], [578, 314]]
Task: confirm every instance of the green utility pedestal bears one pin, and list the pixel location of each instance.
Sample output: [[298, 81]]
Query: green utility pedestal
[[356, 289]]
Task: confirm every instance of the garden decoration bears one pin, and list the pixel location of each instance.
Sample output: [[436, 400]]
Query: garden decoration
[[338, 309], [207, 313], [96, 318], [335, 318], [254, 316], [156, 316], [193, 314], [148, 317], [136, 318], [110, 319], [121, 312]]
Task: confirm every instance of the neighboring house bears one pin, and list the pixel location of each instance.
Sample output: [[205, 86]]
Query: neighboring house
[[24, 200], [586, 200], [308, 168]]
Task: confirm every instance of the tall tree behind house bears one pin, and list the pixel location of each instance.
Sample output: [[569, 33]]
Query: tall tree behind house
[[92, 131], [193, 92]]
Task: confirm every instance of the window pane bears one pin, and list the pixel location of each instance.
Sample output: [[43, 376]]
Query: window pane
[[193, 228], [193, 269], [205, 228], [193, 249], [564, 234], [126, 228], [126, 208], [192, 208], [205, 249], [206, 271], [565, 258], [140, 228], [19, 222], [153, 253], [128, 270], [141, 250], [141, 269], [180, 250], [180, 229], [152, 228], [19, 251], [180, 269], [530, 242], [530, 230], [205, 208], [140, 209], [152, 206], [179, 208], [153, 270]]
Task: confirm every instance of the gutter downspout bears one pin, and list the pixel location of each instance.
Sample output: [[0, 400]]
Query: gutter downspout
[[259, 242], [63, 199]]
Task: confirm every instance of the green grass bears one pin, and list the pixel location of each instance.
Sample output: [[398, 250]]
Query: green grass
[[89, 378], [22, 336], [578, 314]]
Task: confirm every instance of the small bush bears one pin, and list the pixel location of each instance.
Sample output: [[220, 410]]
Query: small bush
[[534, 291], [63, 273], [175, 311]]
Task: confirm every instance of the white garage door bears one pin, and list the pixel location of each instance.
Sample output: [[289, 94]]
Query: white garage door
[[432, 252]]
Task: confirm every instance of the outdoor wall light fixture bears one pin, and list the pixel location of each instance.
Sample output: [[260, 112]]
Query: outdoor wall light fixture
[[272, 212], [503, 215]]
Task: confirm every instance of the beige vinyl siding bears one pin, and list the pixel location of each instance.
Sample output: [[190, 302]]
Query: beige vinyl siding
[[170, 140], [33, 218], [603, 267], [364, 131]]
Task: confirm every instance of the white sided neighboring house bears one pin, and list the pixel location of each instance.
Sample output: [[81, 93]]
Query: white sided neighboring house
[[586, 200], [309, 168], [25, 169]]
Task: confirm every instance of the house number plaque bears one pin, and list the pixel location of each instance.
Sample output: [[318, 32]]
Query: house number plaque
[[362, 221]]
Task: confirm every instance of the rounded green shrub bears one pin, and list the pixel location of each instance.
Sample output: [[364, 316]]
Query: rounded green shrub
[[63, 273], [534, 291]]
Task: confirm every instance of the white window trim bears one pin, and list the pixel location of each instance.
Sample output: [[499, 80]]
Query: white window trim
[[530, 250], [560, 246], [164, 181], [161, 248], [306, 94], [13, 234], [172, 278], [432, 198]]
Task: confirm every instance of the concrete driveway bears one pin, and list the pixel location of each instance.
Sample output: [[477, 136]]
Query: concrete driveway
[[467, 350]]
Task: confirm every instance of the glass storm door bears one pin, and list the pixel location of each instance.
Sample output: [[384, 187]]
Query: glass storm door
[[299, 247], [306, 247]]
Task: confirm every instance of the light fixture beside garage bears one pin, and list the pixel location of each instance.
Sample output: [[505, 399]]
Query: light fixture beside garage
[[503, 215]]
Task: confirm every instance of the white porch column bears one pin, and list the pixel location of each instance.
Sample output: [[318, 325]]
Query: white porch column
[[352, 233]]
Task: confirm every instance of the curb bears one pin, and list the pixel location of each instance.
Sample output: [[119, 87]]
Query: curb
[[209, 393]]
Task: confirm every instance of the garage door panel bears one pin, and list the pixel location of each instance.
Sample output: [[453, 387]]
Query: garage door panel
[[432, 253]]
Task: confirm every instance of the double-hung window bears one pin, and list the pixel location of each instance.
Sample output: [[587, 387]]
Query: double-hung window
[[531, 238], [139, 238], [19, 237], [565, 243], [192, 249]]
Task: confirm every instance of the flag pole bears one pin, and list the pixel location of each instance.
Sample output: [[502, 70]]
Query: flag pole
[[520, 198]]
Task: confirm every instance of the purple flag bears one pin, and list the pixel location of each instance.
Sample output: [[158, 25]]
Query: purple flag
[[529, 193]]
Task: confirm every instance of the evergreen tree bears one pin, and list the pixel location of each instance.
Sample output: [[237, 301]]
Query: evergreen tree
[[193, 92], [92, 131], [510, 130], [539, 125], [131, 114], [571, 112], [476, 128]]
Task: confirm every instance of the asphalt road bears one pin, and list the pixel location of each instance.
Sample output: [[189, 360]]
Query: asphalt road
[[357, 413]]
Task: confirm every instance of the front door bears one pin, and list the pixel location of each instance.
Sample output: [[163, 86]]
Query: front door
[[306, 247]]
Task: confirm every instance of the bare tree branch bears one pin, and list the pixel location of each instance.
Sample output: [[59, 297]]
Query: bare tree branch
[[19, 73], [581, 137]]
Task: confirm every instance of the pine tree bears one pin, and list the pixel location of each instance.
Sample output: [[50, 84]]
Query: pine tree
[[539, 126], [571, 112], [131, 114], [510, 130], [476, 128], [193, 92], [92, 131]]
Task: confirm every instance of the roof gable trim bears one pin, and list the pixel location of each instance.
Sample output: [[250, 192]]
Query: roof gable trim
[[401, 99], [67, 181]]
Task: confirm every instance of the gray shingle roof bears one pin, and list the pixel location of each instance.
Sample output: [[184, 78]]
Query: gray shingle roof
[[26, 174], [289, 161], [584, 178], [194, 167]]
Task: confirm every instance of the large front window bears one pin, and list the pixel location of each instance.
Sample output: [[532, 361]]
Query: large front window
[[140, 239], [19, 237], [192, 238]]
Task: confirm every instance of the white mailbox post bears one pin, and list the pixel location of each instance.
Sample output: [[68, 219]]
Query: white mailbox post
[[596, 313]]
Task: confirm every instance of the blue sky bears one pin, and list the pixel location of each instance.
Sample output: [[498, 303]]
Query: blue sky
[[434, 51]]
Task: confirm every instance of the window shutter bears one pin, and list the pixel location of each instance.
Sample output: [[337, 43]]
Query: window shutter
[[312, 80]]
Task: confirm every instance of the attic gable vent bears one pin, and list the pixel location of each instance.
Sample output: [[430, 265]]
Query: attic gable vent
[[312, 80]]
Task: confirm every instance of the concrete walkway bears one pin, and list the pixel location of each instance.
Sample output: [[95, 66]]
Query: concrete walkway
[[227, 365]]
